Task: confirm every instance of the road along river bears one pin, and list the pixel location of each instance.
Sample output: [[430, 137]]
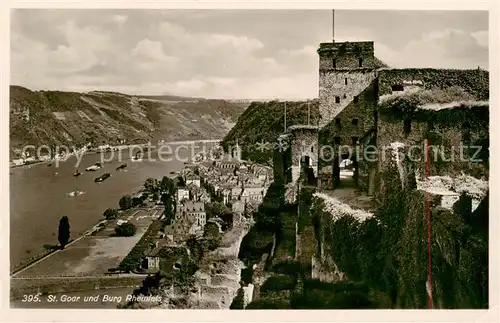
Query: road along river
[[38, 193]]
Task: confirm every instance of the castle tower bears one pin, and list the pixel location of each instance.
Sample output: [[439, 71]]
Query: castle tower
[[348, 96], [304, 149], [345, 71]]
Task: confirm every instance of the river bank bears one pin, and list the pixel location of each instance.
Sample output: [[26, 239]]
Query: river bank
[[83, 152], [38, 197]]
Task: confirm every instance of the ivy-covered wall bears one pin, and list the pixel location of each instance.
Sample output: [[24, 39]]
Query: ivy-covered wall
[[306, 238], [389, 251], [474, 81], [458, 137]]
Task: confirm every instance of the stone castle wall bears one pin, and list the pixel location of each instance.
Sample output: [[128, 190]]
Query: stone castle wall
[[475, 82], [448, 141], [345, 70], [355, 120], [346, 55], [304, 142], [335, 94]]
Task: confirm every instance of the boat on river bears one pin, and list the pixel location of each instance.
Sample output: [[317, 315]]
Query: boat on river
[[137, 157], [102, 177], [75, 193], [94, 167], [122, 166]]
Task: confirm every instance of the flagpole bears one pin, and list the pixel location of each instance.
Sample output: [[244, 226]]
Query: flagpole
[[308, 113], [285, 116], [333, 25]]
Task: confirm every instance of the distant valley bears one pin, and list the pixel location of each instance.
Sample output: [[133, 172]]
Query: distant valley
[[71, 118]]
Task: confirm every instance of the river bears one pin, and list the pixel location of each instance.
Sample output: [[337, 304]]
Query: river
[[38, 194]]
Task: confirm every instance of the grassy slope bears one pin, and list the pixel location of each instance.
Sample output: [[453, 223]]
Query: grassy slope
[[264, 121]]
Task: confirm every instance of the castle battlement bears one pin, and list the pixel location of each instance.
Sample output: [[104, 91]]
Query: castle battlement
[[331, 50], [302, 127]]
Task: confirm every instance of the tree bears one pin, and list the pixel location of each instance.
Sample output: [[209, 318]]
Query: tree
[[110, 214], [180, 181], [126, 229], [215, 209], [137, 201], [150, 185], [167, 185], [212, 236], [64, 232], [125, 202], [169, 202]]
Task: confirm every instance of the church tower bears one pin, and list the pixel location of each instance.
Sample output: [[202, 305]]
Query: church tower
[[237, 152]]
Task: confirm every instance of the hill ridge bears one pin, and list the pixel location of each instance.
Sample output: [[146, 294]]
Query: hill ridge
[[75, 118]]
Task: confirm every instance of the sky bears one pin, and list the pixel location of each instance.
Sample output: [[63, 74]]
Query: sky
[[228, 54]]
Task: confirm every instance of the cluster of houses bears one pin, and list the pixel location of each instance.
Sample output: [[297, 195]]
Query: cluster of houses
[[238, 184], [24, 157], [236, 181]]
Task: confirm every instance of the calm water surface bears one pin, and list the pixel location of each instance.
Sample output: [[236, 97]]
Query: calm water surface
[[38, 197]]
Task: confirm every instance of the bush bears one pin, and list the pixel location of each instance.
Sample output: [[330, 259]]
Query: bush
[[278, 283], [125, 202], [125, 230], [238, 301], [321, 295], [110, 214], [321, 299], [212, 235], [247, 274], [255, 244], [289, 267], [137, 201]]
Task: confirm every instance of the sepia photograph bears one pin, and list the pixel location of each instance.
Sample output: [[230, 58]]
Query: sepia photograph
[[325, 159]]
